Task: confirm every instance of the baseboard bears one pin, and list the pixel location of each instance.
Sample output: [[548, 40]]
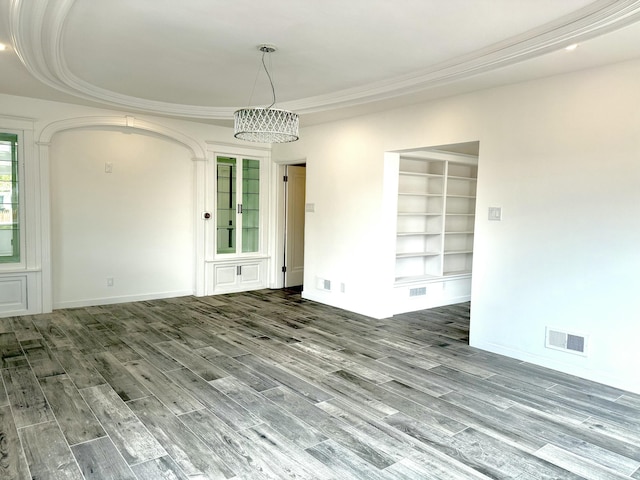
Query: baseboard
[[333, 300], [410, 306], [592, 375], [91, 302]]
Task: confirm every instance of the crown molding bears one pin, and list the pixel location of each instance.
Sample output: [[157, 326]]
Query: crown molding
[[37, 28]]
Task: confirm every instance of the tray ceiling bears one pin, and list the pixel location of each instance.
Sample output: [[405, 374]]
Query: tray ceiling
[[198, 58]]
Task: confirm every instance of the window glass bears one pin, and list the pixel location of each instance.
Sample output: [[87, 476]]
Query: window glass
[[250, 205], [9, 207], [226, 205]]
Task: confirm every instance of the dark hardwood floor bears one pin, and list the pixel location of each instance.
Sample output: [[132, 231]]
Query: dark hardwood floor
[[264, 385]]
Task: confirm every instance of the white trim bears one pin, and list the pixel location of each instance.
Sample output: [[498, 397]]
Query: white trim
[[37, 30], [584, 370], [89, 302]]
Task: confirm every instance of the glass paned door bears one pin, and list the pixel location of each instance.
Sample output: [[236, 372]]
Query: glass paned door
[[237, 205], [9, 206]]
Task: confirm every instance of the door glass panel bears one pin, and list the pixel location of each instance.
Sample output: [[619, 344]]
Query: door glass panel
[[9, 208], [226, 216], [250, 205]]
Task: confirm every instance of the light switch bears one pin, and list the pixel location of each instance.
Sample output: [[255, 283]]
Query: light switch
[[310, 207], [495, 214], [108, 167]]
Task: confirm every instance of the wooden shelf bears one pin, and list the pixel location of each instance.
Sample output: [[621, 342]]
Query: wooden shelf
[[412, 234], [421, 214], [417, 254], [457, 273], [416, 279], [420, 174]]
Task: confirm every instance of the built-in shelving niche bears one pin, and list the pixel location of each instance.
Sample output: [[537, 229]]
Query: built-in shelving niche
[[436, 207]]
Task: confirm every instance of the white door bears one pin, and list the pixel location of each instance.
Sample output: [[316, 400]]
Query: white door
[[294, 238]]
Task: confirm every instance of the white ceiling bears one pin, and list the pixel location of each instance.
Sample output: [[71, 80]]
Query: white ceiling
[[198, 59]]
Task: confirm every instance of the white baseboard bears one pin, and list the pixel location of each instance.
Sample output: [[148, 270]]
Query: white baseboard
[[91, 302], [588, 374], [334, 300]]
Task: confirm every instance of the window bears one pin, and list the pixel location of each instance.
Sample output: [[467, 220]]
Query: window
[[9, 207]]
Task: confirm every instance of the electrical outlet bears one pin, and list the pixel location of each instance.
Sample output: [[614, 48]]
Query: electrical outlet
[[110, 282], [108, 167]]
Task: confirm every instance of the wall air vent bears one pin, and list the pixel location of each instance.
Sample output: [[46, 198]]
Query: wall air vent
[[417, 292], [567, 342]]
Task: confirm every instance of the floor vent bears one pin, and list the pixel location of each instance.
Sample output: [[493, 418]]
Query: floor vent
[[417, 292], [567, 342]]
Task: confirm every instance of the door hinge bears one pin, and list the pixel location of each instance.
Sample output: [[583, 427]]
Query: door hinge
[[284, 269], [285, 178]]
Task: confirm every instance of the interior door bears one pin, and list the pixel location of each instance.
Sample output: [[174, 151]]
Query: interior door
[[294, 235]]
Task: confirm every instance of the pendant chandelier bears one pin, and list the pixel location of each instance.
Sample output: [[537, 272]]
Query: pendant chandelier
[[266, 124]]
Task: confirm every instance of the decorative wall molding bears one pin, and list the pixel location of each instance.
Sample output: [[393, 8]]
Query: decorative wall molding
[[126, 122], [37, 28]]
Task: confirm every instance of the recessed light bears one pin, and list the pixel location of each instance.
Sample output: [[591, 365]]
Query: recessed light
[[2, 47], [571, 48]]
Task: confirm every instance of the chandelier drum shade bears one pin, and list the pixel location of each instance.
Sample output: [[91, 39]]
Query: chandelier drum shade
[[266, 124]]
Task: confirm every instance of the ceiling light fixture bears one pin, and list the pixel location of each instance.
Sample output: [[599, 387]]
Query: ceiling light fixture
[[2, 47], [266, 124], [571, 48]]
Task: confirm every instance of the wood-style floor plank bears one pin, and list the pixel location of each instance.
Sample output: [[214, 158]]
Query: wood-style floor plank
[[122, 381], [74, 416], [581, 466], [99, 460], [12, 462], [344, 463], [192, 361], [177, 399], [28, 404], [79, 368], [295, 430], [159, 468], [193, 456], [256, 380], [228, 410], [332, 428], [48, 454], [131, 438], [10, 351]]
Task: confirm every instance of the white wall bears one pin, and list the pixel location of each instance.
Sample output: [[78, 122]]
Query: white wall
[[134, 225], [560, 156]]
